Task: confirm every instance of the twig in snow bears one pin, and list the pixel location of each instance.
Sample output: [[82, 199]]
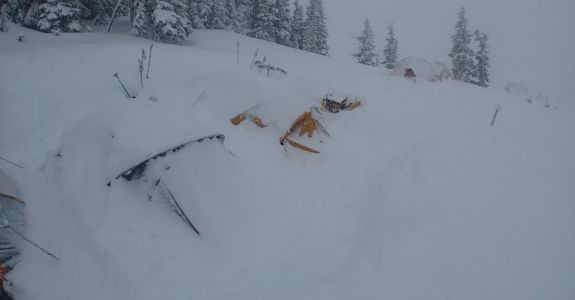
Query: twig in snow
[[124, 87], [497, 108], [12, 163], [254, 59], [202, 95], [238, 51], [118, 3], [149, 60], [141, 67]]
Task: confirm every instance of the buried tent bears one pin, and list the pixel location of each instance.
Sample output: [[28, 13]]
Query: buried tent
[[12, 222], [430, 71]]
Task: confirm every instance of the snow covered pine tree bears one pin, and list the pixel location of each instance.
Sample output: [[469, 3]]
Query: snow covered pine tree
[[3, 18], [481, 70], [59, 16], [282, 22], [162, 20], [218, 17], [297, 26], [261, 20], [315, 31], [366, 54], [461, 55], [390, 49]]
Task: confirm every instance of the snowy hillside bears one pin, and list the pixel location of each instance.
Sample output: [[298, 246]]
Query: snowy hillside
[[413, 196]]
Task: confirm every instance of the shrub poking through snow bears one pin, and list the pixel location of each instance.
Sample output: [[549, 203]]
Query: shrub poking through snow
[[141, 61], [149, 61], [262, 65], [59, 16]]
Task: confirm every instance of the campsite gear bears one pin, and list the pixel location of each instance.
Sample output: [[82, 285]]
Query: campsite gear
[[335, 107], [423, 69], [11, 162], [306, 124], [178, 209], [31, 242], [125, 90], [138, 170], [160, 186], [12, 197], [11, 213], [409, 73], [237, 120]]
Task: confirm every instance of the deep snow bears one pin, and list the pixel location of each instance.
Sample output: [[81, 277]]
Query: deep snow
[[413, 196]]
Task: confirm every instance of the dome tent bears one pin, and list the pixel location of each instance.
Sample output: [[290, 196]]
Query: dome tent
[[423, 69]]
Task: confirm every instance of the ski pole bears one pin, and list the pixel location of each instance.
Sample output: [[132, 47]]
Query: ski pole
[[125, 90]]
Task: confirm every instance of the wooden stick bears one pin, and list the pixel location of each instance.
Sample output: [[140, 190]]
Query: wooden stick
[[497, 108], [11, 197]]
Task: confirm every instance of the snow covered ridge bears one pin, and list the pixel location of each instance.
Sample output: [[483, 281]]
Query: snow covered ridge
[[414, 195]]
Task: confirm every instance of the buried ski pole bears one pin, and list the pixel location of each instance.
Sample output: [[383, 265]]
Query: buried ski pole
[[497, 108], [181, 212], [12, 163], [7, 226], [124, 87], [32, 243]]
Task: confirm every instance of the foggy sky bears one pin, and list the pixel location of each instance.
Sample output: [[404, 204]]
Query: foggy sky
[[532, 41]]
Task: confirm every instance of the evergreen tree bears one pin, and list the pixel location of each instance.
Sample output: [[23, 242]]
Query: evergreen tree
[[194, 14], [282, 22], [366, 54], [98, 11], [59, 16], [297, 26], [315, 31], [233, 16], [218, 17], [4, 18], [242, 15], [23, 12], [170, 21], [461, 55], [142, 23], [199, 13], [261, 20], [390, 49], [481, 70], [322, 34]]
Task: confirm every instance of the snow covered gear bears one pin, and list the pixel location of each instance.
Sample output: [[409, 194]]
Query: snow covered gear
[[306, 124], [335, 107], [138, 170]]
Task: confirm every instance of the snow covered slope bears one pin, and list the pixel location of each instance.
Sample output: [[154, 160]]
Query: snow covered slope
[[414, 194]]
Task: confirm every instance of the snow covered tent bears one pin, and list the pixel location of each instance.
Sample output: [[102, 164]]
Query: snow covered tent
[[423, 69], [11, 215], [516, 88], [442, 71]]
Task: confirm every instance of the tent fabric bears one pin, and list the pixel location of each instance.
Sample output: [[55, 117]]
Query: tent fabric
[[12, 214], [423, 69]]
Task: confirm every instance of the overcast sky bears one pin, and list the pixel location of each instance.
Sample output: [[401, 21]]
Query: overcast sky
[[532, 41]]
